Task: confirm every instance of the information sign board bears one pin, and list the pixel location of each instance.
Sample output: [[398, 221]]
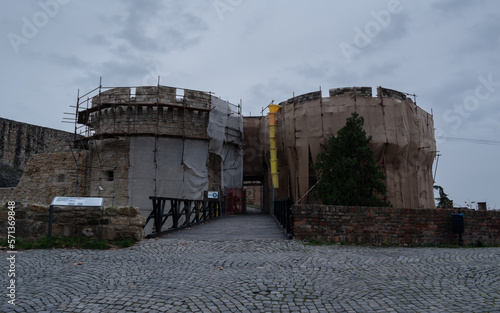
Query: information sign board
[[77, 201], [213, 195]]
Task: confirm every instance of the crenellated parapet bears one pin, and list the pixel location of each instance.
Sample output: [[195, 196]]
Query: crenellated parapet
[[351, 91], [391, 93], [155, 110], [148, 95], [303, 98]]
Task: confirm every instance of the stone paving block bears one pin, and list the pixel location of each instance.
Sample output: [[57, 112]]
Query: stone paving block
[[176, 274]]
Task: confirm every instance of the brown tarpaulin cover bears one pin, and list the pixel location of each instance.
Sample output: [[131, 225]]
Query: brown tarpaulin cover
[[402, 140]]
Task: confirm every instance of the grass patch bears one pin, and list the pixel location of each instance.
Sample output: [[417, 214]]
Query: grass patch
[[125, 243], [322, 242], [453, 246], [59, 243]]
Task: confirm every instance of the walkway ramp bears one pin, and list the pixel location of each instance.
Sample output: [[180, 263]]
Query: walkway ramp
[[233, 227]]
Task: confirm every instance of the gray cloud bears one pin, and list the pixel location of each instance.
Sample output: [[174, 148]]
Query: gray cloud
[[153, 26], [453, 7], [308, 70], [67, 61], [482, 36], [263, 51]]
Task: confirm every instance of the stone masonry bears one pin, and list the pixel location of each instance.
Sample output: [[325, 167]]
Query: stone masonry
[[47, 175], [151, 110], [19, 141], [351, 91], [116, 223]]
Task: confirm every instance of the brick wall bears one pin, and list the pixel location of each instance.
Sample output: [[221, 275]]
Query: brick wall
[[392, 225], [118, 223]]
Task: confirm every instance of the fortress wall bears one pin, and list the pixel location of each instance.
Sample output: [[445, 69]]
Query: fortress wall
[[19, 141], [47, 175], [111, 173], [113, 223]]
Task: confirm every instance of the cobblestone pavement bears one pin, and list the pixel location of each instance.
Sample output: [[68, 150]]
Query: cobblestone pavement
[[188, 275]]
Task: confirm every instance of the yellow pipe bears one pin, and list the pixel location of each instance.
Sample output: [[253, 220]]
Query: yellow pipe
[[273, 109]]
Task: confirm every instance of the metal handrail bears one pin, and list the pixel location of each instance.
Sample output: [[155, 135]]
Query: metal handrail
[[183, 213], [283, 214]]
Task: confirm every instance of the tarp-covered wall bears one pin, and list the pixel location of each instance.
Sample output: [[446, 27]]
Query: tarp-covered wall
[[402, 140], [178, 168], [166, 167], [225, 130]]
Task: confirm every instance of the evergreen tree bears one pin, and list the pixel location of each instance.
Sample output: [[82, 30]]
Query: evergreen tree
[[444, 201], [348, 174]]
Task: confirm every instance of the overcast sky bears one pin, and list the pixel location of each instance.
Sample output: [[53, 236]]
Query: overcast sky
[[447, 52]]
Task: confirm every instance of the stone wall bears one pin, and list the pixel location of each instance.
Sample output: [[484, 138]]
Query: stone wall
[[9, 175], [116, 223], [254, 195], [392, 225], [19, 141], [351, 91], [151, 110], [303, 98], [108, 169], [50, 175], [391, 93], [47, 175]]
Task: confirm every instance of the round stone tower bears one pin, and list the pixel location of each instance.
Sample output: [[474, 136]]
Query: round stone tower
[[159, 141], [402, 140]]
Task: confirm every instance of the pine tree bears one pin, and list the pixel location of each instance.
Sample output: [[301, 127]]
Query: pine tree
[[348, 174], [444, 201]]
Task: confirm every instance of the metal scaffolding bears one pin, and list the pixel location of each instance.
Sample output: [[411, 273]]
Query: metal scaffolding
[[101, 122]]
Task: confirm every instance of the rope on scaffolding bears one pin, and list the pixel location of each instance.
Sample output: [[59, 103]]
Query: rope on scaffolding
[[307, 192]]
